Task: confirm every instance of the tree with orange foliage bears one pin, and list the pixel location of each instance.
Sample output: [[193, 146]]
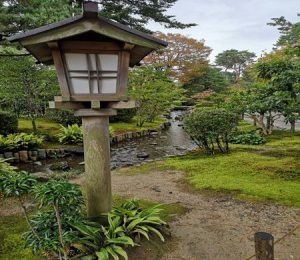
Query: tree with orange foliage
[[183, 56]]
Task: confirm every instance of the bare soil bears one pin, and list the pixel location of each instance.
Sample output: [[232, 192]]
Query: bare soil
[[214, 227]]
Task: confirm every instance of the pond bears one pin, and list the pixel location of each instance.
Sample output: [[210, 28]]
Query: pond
[[170, 142]]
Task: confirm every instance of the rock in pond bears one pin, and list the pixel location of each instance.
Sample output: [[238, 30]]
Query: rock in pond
[[142, 155], [41, 176], [60, 166]]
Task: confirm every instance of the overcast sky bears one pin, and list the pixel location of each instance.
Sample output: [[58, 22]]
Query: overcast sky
[[232, 24]]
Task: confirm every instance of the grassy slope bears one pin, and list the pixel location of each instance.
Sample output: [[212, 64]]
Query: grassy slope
[[269, 172]]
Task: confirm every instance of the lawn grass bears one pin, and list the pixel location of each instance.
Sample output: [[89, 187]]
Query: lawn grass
[[121, 127], [269, 172]]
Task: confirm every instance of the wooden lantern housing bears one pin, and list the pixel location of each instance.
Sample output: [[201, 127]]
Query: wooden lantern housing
[[91, 55]]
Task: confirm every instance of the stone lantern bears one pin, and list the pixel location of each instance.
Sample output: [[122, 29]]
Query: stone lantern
[[91, 55]]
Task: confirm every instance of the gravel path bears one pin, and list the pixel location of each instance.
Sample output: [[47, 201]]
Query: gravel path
[[214, 227]]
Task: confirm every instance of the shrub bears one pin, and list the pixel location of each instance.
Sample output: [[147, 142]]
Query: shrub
[[124, 115], [8, 123], [210, 128], [72, 134], [21, 141], [63, 117], [247, 138]]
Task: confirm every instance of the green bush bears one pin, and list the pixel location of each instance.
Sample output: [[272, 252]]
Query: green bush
[[72, 134], [8, 123], [247, 138], [63, 117], [210, 128], [124, 115], [21, 141]]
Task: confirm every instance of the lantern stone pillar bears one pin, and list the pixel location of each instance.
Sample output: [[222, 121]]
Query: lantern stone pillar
[[96, 141]]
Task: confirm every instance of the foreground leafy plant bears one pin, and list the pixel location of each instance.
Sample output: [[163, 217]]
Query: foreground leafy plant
[[16, 184], [124, 224], [72, 134], [138, 221], [60, 207]]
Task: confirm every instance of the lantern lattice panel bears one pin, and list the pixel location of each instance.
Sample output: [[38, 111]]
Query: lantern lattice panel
[[92, 73]]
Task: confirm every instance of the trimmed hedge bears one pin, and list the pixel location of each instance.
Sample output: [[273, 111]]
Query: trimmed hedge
[[8, 123]]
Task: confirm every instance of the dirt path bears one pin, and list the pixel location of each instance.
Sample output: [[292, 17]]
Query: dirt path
[[214, 227]]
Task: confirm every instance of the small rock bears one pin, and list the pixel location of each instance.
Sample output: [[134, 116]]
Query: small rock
[[156, 188], [8, 155], [142, 155], [41, 153], [60, 166], [38, 163], [23, 155], [41, 176]]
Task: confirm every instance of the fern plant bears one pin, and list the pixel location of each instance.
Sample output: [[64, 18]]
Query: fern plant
[[72, 134]]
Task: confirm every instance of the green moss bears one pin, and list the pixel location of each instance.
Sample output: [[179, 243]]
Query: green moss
[[43, 125], [11, 242], [245, 126], [121, 127]]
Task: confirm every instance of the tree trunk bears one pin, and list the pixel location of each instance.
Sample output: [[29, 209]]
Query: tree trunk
[[293, 126], [33, 122], [60, 231], [27, 219]]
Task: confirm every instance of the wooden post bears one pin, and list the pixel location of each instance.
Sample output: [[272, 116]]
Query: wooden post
[[264, 246], [96, 142]]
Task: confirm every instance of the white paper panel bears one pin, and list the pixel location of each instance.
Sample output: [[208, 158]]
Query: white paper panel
[[108, 61], [108, 86], [76, 61], [80, 86]]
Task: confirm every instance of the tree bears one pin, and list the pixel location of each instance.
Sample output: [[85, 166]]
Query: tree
[[25, 87], [289, 32], [235, 60], [282, 72], [20, 15], [209, 78], [183, 56], [153, 91]]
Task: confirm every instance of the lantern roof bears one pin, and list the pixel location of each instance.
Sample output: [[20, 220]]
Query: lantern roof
[[88, 26]]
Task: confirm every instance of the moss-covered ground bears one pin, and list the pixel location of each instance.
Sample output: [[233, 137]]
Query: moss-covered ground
[[269, 172]]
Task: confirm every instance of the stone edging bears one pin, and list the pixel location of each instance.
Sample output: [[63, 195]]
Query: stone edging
[[138, 134], [34, 155]]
